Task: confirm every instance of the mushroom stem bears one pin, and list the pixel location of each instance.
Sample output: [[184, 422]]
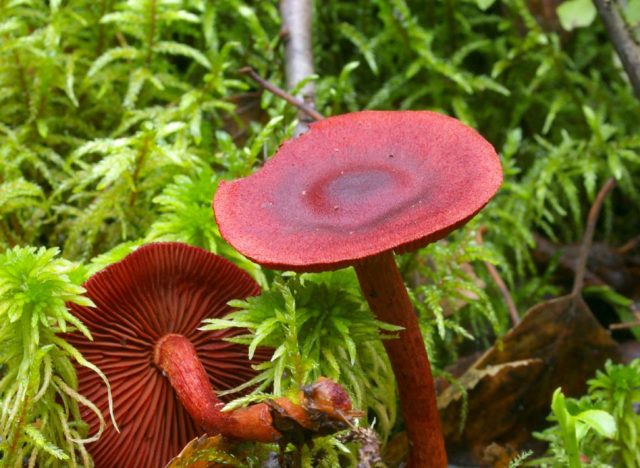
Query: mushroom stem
[[384, 289], [177, 357]]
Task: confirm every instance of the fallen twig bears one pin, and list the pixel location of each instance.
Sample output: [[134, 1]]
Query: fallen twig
[[635, 309], [629, 246], [624, 325], [497, 279], [294, 101], [587, 240]]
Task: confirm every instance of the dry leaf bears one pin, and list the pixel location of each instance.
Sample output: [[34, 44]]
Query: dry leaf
[[558, 344]]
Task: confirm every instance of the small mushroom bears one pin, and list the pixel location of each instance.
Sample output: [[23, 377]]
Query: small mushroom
[[352, 191], [161, 367]]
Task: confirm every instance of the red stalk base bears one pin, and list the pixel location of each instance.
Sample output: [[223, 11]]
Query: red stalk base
[[385, 292]]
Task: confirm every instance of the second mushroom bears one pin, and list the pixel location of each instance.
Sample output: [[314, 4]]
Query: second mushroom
[[352, 191], [164, 370], [161, 368]]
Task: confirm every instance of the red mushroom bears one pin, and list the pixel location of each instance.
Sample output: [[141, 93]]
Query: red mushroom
[[145, 324], [351, 191]]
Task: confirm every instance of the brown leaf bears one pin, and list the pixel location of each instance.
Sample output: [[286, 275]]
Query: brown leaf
[[493, 402], [562, 338], [558, 344], [565, 335]]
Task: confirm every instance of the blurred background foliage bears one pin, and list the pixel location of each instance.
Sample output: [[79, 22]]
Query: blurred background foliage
[[118, 120]]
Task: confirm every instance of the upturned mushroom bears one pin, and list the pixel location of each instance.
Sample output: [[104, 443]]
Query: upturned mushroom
[[162, 369], [352, 191]]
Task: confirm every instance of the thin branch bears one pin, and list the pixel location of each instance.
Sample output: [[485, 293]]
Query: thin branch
[[587, 240], [629, 246], [296, 27], [294, 101], [625, 46], [497, 279], [635, 310], [624, 325]]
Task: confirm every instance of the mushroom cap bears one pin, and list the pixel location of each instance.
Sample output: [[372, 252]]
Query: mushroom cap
[[356, 185], [160, 288]]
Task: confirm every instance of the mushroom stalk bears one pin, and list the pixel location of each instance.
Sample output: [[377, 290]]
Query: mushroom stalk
[[384, 289], [177, 357]]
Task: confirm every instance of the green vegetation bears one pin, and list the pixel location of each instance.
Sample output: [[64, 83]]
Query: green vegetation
[[39, 418], [119, 119], [607, 409], [318, 325]]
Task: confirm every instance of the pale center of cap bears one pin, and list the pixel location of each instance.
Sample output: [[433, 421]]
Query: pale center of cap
[[356, 187]]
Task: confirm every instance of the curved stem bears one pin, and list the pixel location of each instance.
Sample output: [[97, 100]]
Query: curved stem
[[176, 356], [587, 239], [385, 292], [497, 279]]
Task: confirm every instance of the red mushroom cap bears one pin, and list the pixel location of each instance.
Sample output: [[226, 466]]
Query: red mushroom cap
[[356, 185], [160, 288]]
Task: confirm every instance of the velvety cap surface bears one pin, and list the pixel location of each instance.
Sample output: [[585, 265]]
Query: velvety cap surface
[[356, 185], [160, 288]]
